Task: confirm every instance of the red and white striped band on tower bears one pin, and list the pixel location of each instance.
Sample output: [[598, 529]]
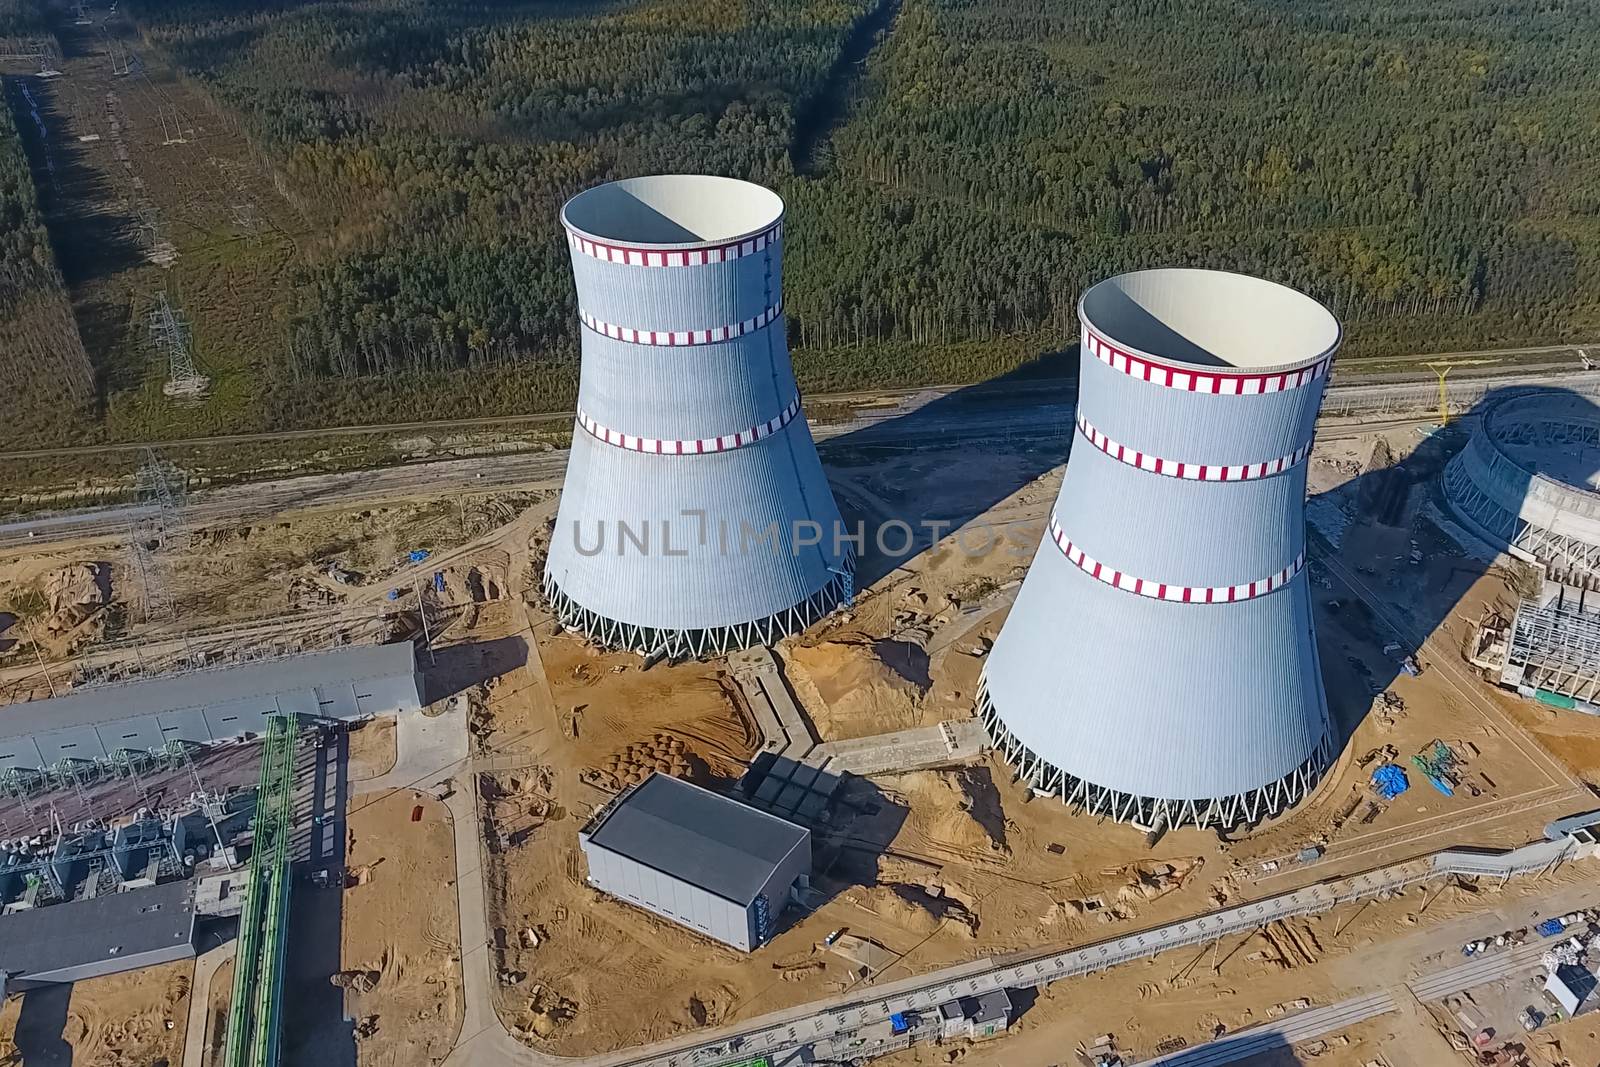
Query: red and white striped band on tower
[[698, 447], [1224, 383], [1185, 594], [1199, 472], [634, 256], [681, 338]]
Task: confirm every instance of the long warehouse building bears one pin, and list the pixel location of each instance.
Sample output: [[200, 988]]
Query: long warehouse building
[[208, 706], [1159, 665]]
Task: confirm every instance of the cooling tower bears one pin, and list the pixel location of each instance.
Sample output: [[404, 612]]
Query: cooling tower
[[1159, 666], [695, 518]]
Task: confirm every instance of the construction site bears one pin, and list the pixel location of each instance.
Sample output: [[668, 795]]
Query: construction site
[[392, 752]]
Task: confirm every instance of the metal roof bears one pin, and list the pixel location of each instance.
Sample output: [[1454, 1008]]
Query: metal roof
[[125, 925], [204, 688], [699, 837]]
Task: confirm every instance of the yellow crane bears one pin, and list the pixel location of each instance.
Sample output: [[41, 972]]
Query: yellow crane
[[1442, 369]]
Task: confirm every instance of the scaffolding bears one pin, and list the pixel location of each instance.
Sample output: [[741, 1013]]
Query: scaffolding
[[254, 1022], [1555, 647]]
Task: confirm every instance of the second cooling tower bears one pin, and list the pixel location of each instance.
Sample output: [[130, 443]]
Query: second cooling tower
[[1159, 665], [695, 518]]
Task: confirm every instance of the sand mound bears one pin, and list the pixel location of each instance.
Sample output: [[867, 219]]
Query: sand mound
[[663, 754], [858, 687], [889, 905], [75, 594], [955, 810]]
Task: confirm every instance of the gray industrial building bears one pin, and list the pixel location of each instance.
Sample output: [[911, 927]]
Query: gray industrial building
[[706, 862], [90, 938], [208, 706]]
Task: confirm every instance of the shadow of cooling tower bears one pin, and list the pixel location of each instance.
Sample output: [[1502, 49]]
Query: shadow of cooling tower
[[1369, 588], [1366, 591], [975, 416]]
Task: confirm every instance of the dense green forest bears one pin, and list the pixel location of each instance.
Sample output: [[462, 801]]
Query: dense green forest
[[956, 170]]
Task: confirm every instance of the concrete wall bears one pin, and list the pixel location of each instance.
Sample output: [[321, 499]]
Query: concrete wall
[[686, 905]]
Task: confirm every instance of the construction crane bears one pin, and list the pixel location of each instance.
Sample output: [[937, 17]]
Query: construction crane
[[1442, 369]]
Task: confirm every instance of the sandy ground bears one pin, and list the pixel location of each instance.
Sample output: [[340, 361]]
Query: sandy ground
[[372, 751], [940, 866], [401, 941], [926, 868], [310, 579], [1180, 998], [123, 1020]]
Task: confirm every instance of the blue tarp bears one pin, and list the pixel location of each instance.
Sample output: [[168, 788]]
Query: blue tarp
[[1390, 781]]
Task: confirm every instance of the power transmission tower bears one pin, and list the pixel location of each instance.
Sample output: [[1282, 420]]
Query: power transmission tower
[[159, 481], [160, 485], [172, 131], [169, 333]]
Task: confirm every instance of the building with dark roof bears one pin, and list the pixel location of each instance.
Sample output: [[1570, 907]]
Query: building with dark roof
[[107, 934], [704, 861], [208, 706], [984, 1015]]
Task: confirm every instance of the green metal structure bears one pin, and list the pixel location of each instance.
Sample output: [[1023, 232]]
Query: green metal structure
[[254, 1024]]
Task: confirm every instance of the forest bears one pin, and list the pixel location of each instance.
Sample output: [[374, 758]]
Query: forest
[[956, 171]]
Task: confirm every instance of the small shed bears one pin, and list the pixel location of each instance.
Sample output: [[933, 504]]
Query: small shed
[[1572, 987], [984, 1015]]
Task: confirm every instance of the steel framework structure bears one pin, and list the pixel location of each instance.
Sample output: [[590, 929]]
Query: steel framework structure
[[24, 783], [170, 336], [1248, 806], [1555, 648], [254, 1023], [712, 641]]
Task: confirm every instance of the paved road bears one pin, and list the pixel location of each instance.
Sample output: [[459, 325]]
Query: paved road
[[197, 1030], [1281, 1033], [916, 419], [1317, 1022], [1490, 362]]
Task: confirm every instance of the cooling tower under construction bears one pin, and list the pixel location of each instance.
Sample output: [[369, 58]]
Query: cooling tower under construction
[[1159, 665], [695, 518]]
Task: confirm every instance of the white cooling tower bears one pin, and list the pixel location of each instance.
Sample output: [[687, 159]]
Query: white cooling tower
[[1159, 665], [695, 518]]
